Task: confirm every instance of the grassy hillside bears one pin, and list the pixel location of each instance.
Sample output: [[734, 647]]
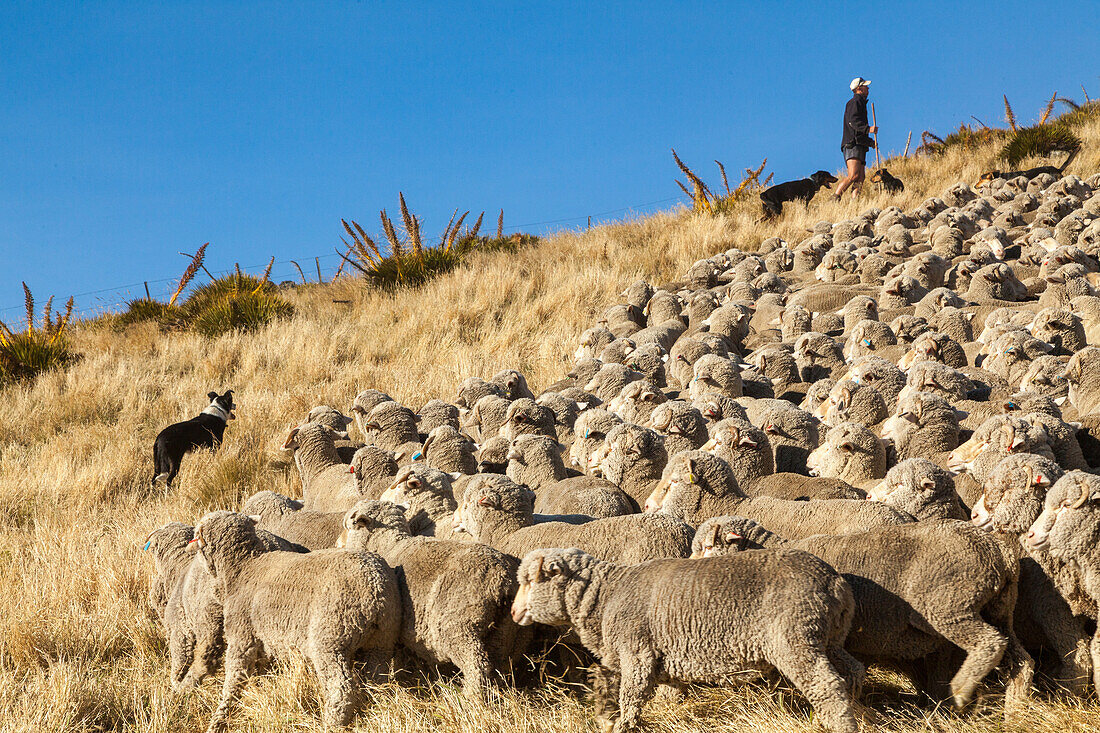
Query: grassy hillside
[[79, 647]]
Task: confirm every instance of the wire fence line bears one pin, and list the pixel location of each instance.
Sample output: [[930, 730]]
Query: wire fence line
[[106, 300]]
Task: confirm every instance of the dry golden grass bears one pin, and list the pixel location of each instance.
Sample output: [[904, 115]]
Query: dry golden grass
[[79, 648]]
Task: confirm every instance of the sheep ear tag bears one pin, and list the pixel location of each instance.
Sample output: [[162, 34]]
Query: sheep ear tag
[[147, 544], [1041, 479], [418, 455], [731, 536]]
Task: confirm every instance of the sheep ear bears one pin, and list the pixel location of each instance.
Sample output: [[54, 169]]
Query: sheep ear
[[847, 446], [488, 500], [691, 470], [1041, 479], [254, 518], [731, 536], [846, 393], [347, 421], [927, 484]]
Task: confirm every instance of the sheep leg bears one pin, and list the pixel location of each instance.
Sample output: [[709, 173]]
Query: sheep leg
[[850, 668], [810, 670], [984, 647], [605, 694], [240, 659], [637, 678], [1021, 667], [472, 658], [1094, 650], [181, 655], [334, 674], [208, 646]]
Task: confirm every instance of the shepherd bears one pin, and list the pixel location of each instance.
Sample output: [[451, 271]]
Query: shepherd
[[857, 138]]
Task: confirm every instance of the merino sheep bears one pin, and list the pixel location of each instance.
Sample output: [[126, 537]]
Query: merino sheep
[[473, 389], [592, 428], [1083, 375], [434, 414], [1052, 601], [682, 426], [326, 481], [697, 486], [427, 496], [392, 426], [851, 453], [922, 489], [364, 402], [374, 470], [924, 425], [193, 613], [498, 512], [535, 461], [919, 588], [784, 610], [792, 432], [713, 373], [168, 546], [852, 401], [328, 605], [449, 450], [635, 458], [288, 519], [487, 417], [637, 401], [456, 596]]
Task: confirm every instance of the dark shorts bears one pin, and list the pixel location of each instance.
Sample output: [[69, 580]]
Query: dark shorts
[[857, 152]]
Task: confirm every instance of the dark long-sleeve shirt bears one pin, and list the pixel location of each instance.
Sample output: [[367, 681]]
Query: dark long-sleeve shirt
[[856, 129]]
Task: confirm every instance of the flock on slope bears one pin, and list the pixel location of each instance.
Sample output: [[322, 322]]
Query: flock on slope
[[874, 446]]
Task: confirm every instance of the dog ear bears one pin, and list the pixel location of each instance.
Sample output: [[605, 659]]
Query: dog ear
[[212, 395]]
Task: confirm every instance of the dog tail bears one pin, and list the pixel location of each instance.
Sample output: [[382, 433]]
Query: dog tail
[[1072, 154]]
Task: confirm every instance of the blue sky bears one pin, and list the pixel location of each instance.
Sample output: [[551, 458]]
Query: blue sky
[[132, 132]]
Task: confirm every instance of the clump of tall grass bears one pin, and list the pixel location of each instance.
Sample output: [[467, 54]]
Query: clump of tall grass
[[236, 302], [703, 199], [36, 348], [409, 262], [1050, 134]]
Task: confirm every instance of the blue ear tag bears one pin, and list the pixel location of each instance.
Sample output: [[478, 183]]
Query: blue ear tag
[[866, 342], [418, 455], [146, 545]]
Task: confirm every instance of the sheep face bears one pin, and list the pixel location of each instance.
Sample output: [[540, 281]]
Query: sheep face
[[331, 418], [417, 485], [368, 518], [371, 462], [489, 500], [1013, 493], [514, 384], [591, 430], [851, 453], [527, 417], [543, 578], [914, 486], [1069, 525]]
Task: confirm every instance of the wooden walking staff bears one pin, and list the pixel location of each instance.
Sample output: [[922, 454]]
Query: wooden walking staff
[[874, 122]]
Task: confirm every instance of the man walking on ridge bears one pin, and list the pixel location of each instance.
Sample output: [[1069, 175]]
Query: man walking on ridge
[[857, 138]]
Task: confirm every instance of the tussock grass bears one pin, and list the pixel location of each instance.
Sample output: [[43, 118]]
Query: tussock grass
[[79, 648], [35, 349]]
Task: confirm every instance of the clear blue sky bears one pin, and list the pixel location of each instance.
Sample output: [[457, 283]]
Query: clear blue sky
[[132, 133]]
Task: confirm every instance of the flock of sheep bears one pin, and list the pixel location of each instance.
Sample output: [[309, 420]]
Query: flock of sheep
[[873, 446]]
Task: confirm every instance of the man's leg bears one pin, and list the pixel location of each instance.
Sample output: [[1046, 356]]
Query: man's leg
[[853, 167], [857, 182]]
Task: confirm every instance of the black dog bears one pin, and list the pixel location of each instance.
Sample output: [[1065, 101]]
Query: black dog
[[203, 431], [801, 190], [1030, 173], [891, 183]]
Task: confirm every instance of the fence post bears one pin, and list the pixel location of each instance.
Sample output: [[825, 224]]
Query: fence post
[[317, 261], [147, 296]]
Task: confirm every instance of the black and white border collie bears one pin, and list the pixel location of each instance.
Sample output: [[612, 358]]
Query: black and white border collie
[[202, 431]]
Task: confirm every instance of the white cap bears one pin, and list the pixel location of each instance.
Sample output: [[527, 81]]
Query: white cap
[[858, 82]]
